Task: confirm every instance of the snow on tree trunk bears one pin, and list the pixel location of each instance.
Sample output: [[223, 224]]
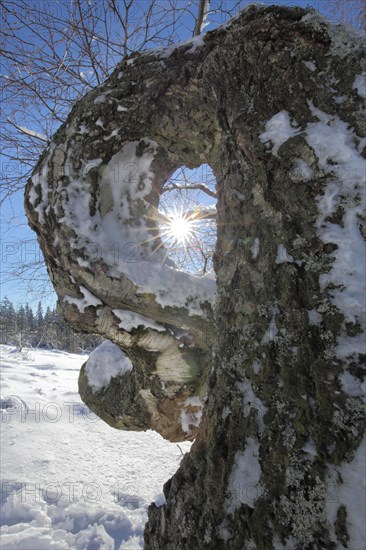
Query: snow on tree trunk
[[274, 103]]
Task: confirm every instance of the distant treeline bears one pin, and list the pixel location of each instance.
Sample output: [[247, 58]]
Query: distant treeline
[[23, 327]]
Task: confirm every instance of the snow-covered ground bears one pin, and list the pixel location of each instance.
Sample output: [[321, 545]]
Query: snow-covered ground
[[69, 481]]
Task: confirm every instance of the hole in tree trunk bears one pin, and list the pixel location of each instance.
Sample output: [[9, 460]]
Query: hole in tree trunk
[[187, 218]]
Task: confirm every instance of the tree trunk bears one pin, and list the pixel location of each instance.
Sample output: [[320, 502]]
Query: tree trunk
[[274, 103]]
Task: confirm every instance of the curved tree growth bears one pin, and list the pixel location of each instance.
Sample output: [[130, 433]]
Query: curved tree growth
[[273, 102]]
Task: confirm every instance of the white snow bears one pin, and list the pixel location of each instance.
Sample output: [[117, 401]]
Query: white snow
[[175, 288], [110, 235], [166, 51], [282, 255], [348, 347], [310, 448], [343, 39], [100, 98], [353, 386], [196, 42], [27, 131], [255, 248], [360, 85], [278, 130], [310, 65], [121, 108], [314, 317], [31, 133], [225, 532], [191, 413], [337, 149], [244, 485], [225, 412], [114, 133], [251, 401], [83, 263], [301, 171], [256, 366], [69, 481], [106, 362], [40, 178], [81, 303], [130, 320]]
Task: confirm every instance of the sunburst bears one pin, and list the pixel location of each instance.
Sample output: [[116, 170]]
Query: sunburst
[[178, 229]]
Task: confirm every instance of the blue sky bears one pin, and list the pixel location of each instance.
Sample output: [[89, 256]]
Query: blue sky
[[19, 246]]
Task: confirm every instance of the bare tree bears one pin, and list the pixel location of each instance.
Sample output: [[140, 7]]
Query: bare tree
[[56, 52]]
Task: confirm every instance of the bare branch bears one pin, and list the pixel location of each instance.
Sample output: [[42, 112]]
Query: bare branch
[[200, 186], [28, 132]]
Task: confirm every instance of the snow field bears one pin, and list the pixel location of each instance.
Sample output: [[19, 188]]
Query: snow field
[[69, 481]]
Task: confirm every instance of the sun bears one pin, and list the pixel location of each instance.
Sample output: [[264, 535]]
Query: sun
[[178, 228]]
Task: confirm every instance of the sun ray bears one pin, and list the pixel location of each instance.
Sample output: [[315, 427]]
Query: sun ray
[[178, 229]]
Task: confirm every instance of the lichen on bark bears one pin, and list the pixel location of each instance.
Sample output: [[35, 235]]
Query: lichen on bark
[[269, 102]]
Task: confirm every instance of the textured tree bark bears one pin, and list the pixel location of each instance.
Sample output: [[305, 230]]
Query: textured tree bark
[[274, 103]]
